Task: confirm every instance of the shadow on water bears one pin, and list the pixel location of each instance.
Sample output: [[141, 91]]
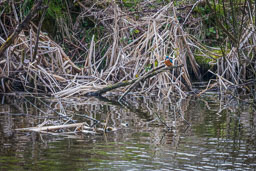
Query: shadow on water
[[152, 134]]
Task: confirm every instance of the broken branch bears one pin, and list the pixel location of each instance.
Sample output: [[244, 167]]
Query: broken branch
[[151, 73]]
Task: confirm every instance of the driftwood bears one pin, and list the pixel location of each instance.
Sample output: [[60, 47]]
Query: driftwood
[[48, 128], [79, 127], [150, 74], [20, 27]]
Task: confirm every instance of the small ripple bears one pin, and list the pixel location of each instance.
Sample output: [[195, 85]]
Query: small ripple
[[183, 158], [132, 147], [221, 154], [208, 167], [144, 156], [186, 154], [206, 159]]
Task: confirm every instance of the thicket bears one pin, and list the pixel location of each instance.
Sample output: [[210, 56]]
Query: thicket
[[83, 46]]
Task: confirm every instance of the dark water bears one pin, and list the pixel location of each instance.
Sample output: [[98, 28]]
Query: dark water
[[217, 135]]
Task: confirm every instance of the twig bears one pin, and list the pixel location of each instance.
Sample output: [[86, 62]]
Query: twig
[[197, 2]]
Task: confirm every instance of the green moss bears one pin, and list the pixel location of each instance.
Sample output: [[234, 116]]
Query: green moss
[[130, 3], [125, 82], [201, 59]]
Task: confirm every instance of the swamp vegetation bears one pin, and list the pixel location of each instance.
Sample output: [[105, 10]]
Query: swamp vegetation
[[66, 48], [85, 67]]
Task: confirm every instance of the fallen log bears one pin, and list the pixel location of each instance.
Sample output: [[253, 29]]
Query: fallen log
[[135, 81]]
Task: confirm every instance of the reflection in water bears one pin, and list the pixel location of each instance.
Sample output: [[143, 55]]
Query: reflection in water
[[158, 137]]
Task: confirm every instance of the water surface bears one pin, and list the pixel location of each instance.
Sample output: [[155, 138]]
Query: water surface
[[191, 134]]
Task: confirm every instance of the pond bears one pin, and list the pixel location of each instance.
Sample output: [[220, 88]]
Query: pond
[[206, 133]]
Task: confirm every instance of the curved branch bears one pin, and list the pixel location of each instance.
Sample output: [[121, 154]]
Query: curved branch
[[135, 81]]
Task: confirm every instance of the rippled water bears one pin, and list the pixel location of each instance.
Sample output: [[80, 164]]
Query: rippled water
[[220, 136]]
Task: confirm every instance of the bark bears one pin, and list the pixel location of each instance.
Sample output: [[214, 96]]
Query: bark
[[150, 74]]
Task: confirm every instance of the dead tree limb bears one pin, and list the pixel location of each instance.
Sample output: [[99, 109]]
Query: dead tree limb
[[150, 74], [39, 29], [146, 76], [20, 27], [48, 128]]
